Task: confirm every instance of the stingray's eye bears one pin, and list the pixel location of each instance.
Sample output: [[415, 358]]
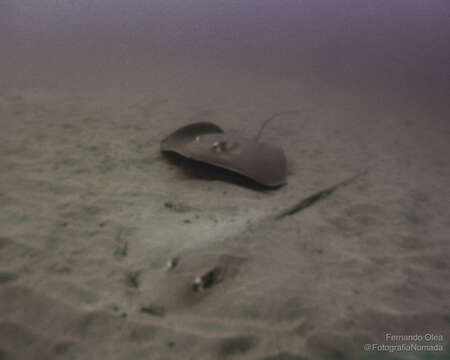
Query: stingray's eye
[[219, 146], [223, 146]]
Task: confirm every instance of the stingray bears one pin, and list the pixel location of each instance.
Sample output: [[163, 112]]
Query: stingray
[[195, 274], [208, 143]]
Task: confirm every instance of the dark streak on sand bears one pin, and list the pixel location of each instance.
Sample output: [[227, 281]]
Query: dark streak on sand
[[284, 356], [7, 277], [4, 241], [122, 246], [237, 345], [121, 251], [154, 310], [132, 279]]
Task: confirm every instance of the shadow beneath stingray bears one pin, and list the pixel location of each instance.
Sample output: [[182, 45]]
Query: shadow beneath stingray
[[208, 172]]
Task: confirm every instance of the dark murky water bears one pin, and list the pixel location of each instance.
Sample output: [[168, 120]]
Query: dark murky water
[[393, 45]]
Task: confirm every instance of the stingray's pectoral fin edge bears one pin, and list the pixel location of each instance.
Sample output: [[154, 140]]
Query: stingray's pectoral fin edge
[[312, 199]]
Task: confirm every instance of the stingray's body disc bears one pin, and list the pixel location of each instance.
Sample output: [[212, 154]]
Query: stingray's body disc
[[207, 143]]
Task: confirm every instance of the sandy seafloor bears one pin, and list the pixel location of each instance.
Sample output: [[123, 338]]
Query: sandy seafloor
[[91, 213]]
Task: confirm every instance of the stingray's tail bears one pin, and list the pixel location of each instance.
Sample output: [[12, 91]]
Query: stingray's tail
[[312, 199], [267, 121]]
